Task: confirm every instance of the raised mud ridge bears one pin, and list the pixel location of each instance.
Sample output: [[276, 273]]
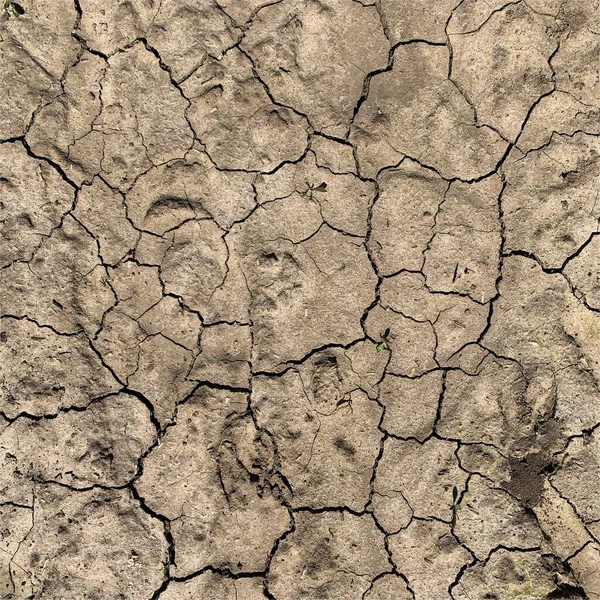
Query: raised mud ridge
[[211, 214]]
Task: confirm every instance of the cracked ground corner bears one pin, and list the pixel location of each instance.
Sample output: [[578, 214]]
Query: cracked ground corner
[[300, 300]]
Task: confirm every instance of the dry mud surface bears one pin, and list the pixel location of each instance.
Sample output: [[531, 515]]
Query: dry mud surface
[[210, 214]]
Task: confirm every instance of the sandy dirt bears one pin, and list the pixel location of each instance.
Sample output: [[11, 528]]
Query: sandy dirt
[[300, 300]]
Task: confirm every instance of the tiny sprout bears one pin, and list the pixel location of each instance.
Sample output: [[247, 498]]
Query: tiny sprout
[[454, 506], [12, 8], [311, 188], [385, 341]]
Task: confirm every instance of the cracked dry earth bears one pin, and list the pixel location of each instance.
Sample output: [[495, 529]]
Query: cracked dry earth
[[192, 404]]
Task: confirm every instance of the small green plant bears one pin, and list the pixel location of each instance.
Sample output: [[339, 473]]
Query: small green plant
[[311, 188], [12, 8], [454, 505], [384, 344]]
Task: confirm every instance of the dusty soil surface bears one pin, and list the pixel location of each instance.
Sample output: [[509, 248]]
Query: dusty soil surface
[[300, 300]]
